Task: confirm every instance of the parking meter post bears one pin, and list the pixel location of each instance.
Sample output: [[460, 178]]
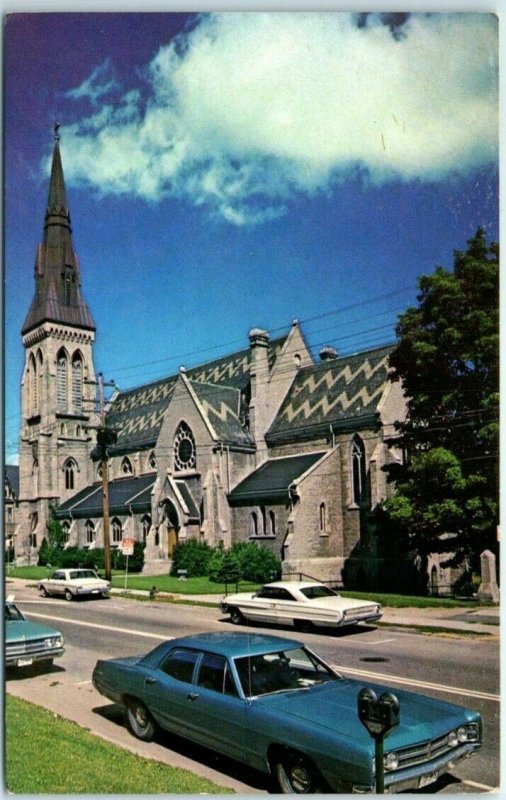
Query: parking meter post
[[380, 717], [379, 751]]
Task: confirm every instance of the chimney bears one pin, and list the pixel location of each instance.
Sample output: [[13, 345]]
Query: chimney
[[328, 353], [259, 377]]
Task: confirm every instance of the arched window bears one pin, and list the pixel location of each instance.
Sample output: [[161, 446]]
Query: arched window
[[146, 526], [323, 518], [357, 469], [202, 511], [32, 386], [117, 531], [61, 381], [184, 448], [126, 466], [254, 524], [272, 522], [66, 532], [77, 383], [39, 381], [89, 527], [63, 429], [152, 460], [35, 475], [70, 469]]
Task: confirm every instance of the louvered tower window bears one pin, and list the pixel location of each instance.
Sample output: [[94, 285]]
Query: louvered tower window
[[61, 382], [77, 384]]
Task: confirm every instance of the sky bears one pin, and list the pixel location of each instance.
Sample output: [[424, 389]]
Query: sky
[[234, 170]]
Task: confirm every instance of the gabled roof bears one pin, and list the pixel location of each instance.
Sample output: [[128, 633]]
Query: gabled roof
[[271, 481], [342, 392], [222, 407], [137, 414], [125, 493]]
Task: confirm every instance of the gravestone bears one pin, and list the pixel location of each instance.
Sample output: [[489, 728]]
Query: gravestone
[[489, 590]]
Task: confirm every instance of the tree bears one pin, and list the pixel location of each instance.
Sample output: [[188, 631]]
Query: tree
[[447, 358]]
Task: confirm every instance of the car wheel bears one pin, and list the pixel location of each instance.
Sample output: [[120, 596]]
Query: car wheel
[[295, 774], [43, 591], [303, 625], [236, 616], [68, 595], [140, 720]]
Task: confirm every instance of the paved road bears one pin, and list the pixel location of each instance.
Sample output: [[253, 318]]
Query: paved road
[[460, 670]]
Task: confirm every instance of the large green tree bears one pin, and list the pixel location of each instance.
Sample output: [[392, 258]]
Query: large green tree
[[447, 358]]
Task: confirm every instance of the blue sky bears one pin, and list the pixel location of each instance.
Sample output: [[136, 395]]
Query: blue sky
[[233, 170]]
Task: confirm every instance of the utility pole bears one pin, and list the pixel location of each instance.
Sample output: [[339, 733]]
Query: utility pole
[[105, 438]]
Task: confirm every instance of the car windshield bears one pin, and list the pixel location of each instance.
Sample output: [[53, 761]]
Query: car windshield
[[282, 671], [313, 592], [79, 574], [12, 613]]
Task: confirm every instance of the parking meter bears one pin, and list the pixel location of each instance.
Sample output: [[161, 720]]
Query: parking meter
[[380, 717]]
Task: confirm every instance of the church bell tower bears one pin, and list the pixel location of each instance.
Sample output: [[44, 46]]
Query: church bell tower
[[57, 392]]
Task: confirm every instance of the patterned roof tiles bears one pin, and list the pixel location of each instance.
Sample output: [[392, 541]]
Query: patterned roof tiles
[[137, 414], [342, 389]]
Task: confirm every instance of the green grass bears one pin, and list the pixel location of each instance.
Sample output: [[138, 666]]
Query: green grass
[[195, 586], [46, 754]]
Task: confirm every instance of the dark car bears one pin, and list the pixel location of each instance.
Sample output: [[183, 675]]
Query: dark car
[[275, 705], [28, 643]]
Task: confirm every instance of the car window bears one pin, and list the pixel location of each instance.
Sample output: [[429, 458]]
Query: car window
[[57, 576], [180, 664], [288, 670], [214, 673], [266, 591], [12, 613], [284, 594], [312, 592]]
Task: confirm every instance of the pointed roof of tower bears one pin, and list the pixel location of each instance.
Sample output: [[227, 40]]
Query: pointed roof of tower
[[58, 295]]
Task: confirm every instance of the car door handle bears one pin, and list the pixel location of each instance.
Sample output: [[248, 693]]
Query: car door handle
[[192, 696], [150, 681]]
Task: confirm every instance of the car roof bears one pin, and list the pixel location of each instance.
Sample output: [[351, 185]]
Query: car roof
[[235, 645], [294, 584]]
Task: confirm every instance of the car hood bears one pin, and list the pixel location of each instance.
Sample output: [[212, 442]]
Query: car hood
[[17, 630], [334, 706]]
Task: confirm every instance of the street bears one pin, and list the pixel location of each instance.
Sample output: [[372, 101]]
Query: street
[[462, 670]]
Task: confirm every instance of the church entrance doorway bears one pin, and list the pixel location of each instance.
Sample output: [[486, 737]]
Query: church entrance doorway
[[171, 521]]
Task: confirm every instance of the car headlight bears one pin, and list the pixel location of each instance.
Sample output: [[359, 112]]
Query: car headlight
[[472, 732], [54, 641], [452, 739], [391, 761]]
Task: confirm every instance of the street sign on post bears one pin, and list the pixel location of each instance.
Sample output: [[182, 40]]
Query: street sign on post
[[127, 548]]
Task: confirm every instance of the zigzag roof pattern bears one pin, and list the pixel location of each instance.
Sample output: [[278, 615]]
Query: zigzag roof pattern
[[137, 414], [342, 389]]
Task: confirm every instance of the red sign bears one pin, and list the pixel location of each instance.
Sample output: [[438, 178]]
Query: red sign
[[127, 547]]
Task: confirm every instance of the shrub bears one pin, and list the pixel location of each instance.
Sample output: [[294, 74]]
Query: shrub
[[224, 567], [257, 564], [193, 556]]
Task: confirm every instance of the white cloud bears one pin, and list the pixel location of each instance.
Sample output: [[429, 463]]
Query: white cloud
[[249, 108]]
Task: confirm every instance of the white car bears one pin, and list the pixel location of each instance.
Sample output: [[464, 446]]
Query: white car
[[301, 604], [74, 583]]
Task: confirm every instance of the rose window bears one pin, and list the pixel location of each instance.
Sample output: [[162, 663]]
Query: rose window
[[184, 449]]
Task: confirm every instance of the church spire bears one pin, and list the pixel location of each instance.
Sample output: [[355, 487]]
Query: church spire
[[57, 281]]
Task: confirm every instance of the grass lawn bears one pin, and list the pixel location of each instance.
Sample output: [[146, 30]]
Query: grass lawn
[[193, 586], [46, 754]]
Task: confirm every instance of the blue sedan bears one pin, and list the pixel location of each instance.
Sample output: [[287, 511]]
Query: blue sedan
[[275, 705]]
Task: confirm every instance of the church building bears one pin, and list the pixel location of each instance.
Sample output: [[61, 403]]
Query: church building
[[266, 444]]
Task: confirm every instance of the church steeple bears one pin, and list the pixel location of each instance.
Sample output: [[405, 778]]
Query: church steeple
[[57, 280]]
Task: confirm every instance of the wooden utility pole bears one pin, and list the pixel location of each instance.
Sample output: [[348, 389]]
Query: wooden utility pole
[[105, 437]]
